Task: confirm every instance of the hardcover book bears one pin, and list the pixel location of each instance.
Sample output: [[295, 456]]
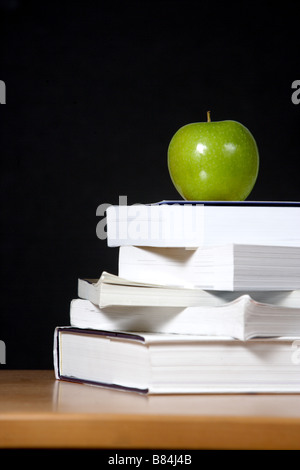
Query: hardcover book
[[192, 224], [165, 364]]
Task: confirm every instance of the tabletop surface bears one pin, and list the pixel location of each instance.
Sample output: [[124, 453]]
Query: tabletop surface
[[37, 411]]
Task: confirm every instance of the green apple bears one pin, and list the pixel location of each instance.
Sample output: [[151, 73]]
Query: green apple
[[213, 161]]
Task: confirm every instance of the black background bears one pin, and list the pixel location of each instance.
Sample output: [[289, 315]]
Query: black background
[[95, 91]]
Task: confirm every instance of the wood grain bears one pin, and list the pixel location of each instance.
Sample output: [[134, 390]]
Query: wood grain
[[36, 411]]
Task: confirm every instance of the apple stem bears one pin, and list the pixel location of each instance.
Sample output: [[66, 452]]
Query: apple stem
[[208, 116]]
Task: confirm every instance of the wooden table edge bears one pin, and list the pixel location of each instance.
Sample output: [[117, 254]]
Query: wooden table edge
[[93, 431], [59, 429]]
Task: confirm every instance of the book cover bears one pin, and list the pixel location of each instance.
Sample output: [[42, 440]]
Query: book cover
[[191, 224], [168, 364]]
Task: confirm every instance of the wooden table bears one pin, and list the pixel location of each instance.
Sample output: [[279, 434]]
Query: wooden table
[[38, 412]]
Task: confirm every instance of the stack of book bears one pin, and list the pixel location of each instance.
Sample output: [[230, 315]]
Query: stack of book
[[206, 300]]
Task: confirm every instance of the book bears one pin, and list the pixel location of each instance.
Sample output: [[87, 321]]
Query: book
[[242, 318], [111, 290], [196, 223], [167, 364], [231, 267]]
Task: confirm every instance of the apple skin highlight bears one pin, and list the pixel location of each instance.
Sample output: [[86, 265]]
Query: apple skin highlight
[[213, 161]]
